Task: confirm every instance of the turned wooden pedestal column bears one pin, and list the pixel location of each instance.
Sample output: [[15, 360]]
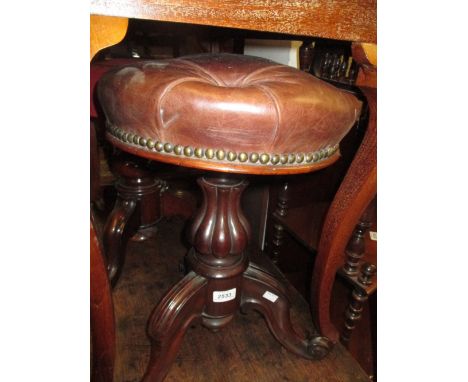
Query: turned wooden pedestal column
[[220, 281]]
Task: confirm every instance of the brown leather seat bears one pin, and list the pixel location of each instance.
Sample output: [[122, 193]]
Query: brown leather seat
[[225, 112]]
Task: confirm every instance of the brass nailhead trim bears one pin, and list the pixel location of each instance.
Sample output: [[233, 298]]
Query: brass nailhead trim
[[188, 152], [243, 157], [220, 154], [231, 156], [199, 152], [178, 149], [264, 158], [159, 146], [168, 147], [253, 157], [209, 153]]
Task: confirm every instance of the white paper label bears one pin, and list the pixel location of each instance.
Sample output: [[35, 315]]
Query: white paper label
[[224, 295], [270, 296], [373, 235]]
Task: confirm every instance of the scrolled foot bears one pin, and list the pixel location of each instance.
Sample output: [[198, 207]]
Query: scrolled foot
[[319, 347], [264, 293]]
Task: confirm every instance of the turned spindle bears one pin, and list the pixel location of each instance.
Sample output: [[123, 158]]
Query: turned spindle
[[278, 229], [368, 272], [355, 248], [359, 296]]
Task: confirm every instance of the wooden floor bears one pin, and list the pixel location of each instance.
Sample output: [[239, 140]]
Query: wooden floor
[[243, 351]]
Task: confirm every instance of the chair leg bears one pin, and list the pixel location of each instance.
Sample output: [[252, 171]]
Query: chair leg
[[101, 314], [137, 208], [121, 224], [169, 321], [264, 293]]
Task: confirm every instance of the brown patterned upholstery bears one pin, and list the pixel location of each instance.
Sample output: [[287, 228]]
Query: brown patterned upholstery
[[226, 112]]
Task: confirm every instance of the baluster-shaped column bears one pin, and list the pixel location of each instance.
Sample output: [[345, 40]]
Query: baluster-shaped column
[[219, 234], [355, 248]]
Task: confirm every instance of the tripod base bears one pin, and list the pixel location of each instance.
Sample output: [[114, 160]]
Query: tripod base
[[185, 304], [222, 282]]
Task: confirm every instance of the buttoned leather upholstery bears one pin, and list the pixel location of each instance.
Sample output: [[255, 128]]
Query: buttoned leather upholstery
[[226, 112]]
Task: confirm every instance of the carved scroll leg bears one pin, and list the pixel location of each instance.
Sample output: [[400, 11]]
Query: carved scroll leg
[[169, 322], [121, 224], [264, 293]]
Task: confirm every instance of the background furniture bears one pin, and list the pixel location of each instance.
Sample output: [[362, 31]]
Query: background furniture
[[325, 228], [323, 222], [137, 207], [359, 269], [105, 31], [355, 193], [102, 314], [142, 199], [353, 20]]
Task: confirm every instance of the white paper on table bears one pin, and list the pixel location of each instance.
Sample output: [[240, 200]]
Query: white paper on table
[[284, 52]]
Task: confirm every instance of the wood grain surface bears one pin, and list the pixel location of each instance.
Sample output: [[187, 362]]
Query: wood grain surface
[[101, 314], [353, 20], [242, 351], [105, 31], [365, 53], [366, 56]]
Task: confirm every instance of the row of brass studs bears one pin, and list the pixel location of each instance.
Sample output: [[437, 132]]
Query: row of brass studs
[[221, 154]]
